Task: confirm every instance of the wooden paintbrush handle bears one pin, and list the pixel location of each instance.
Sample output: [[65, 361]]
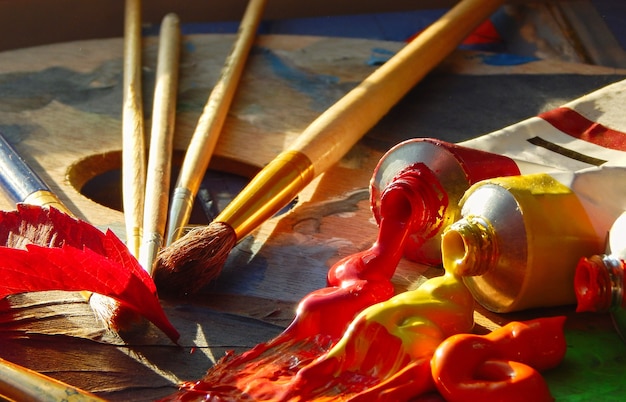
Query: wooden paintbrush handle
[[212, 119], [18, 383], [336, 130], [133, 143], [161, 141]]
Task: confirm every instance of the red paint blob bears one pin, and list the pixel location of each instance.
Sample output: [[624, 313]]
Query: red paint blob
[[502, 365]]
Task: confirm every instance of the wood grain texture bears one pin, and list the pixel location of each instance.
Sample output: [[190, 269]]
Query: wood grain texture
[[62, 112]]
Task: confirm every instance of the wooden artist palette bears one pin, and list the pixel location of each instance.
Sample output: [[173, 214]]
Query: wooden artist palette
[[60, 106]]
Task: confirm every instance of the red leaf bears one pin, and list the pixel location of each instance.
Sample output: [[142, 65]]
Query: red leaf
[[44, 249]]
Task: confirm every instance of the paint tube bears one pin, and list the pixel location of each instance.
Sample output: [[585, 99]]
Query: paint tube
[[520, 238], [583, 133], [599, 280]]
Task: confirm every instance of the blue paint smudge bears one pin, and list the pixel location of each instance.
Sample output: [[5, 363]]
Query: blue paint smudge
[[506, 59], [323, 89], [15, 133], [98, 91]]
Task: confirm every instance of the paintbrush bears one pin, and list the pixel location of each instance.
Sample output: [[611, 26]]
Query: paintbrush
[[210, 123], [194, 259], [133, 147], [161, 142], [18, 383], [22, 185], [109, 311]]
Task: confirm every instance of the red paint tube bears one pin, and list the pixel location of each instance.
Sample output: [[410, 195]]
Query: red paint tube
[[412, 202], [570, 138], [599, 279], [434, 174]]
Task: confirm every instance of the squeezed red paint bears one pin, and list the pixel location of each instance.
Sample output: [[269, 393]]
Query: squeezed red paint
[[383, 356], [503, 365], [362, 279], [390, 344]]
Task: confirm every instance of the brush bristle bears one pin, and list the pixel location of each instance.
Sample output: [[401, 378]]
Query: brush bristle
[[194, 260], [114, 315]]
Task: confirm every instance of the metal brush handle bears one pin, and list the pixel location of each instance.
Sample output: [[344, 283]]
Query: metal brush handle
[[20, 182]]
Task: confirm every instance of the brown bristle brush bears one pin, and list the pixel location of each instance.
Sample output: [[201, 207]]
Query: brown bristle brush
[[190, 262]]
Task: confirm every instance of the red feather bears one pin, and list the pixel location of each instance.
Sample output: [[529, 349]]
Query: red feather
[[44, 249]]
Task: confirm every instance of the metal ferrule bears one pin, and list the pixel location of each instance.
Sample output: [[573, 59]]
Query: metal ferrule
[[149, 249], [268, 192], [45, 198], [614, 268], [180, 212]]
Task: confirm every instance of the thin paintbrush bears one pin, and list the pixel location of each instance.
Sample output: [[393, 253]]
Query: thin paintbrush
[[18, 383], [196, 258], [109, 310], [133, 143], [210, 123], [21, 184], [161, 142]]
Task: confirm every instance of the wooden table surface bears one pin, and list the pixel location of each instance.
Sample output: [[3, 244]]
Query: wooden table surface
[[60, 106]]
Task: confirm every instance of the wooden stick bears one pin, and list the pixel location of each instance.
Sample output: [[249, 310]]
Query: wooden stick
[[19, 383], [211, 121], [193, 260], [133, 148], [161, 141]]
